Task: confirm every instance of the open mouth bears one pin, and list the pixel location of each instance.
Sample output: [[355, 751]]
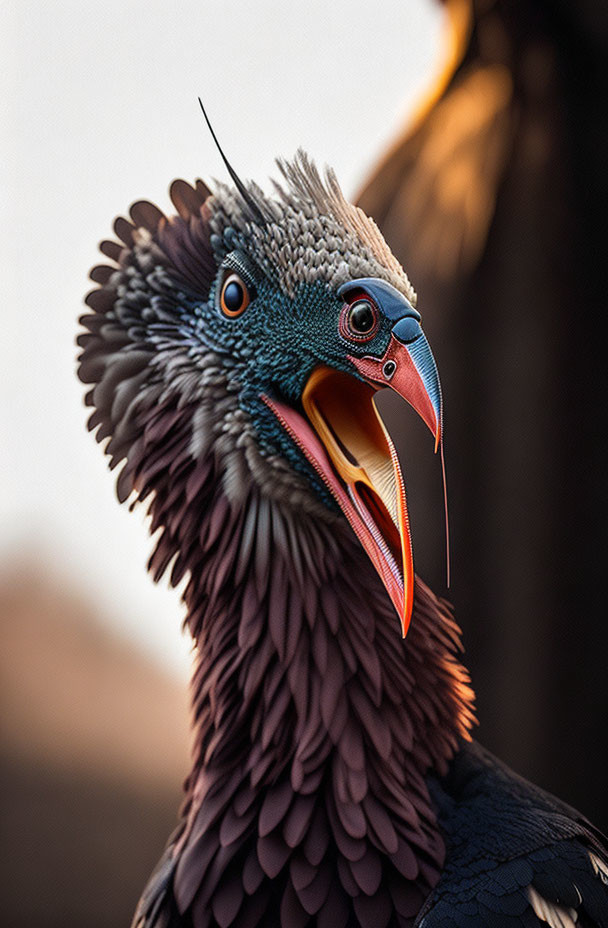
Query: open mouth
[[345, 440]]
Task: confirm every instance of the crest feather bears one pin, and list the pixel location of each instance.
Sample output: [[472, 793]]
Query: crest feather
[[310, 217]]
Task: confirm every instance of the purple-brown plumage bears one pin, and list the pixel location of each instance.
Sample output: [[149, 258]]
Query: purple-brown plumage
[[319, 736], [313, 730]]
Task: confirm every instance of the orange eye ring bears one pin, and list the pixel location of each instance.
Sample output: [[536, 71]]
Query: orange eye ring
[[234, 296]]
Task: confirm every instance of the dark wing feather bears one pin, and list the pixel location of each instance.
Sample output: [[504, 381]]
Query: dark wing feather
[[157, 908], [516, 855]]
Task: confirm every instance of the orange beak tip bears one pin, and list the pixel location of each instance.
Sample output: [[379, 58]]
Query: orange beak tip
[[437, 438]]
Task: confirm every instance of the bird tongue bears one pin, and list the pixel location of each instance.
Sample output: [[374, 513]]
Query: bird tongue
[[352, 452]]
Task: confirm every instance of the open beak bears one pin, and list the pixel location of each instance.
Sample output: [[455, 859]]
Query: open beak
[[346, 441]]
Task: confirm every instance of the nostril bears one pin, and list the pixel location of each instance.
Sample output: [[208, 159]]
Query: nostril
[[407, 330], [389, 369]]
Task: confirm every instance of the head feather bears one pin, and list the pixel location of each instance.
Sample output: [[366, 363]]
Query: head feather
[[310, 231]]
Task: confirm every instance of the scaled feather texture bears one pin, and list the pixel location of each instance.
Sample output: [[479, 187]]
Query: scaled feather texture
[[333, 782]]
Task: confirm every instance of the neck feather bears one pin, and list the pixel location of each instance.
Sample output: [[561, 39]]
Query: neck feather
[[315, 724]]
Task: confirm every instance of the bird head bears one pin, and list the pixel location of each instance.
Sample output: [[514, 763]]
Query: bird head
[[268, 323]]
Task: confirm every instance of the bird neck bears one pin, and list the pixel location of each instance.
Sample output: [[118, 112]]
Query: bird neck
[[309, 710]]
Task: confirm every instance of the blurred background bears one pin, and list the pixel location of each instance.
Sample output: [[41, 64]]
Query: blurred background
[[475, 133]]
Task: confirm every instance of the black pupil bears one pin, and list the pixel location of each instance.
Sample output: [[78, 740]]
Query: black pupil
[[361, 317], [233, 296]]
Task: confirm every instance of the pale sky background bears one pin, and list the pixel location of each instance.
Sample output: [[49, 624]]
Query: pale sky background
[[99, 109]]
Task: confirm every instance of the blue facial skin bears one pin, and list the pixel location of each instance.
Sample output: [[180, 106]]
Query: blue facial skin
[[273, 347]]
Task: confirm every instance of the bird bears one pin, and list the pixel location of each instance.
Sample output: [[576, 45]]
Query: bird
[[233, 352]]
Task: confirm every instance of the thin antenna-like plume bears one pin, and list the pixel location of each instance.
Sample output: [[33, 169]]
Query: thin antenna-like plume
[[240, 186]]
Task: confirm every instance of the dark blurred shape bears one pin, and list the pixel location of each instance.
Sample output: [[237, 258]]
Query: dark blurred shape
[[495, 200], [93, 750]]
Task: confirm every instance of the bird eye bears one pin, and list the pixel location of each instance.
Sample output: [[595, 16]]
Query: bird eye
[[234, 298], [359, 320]]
